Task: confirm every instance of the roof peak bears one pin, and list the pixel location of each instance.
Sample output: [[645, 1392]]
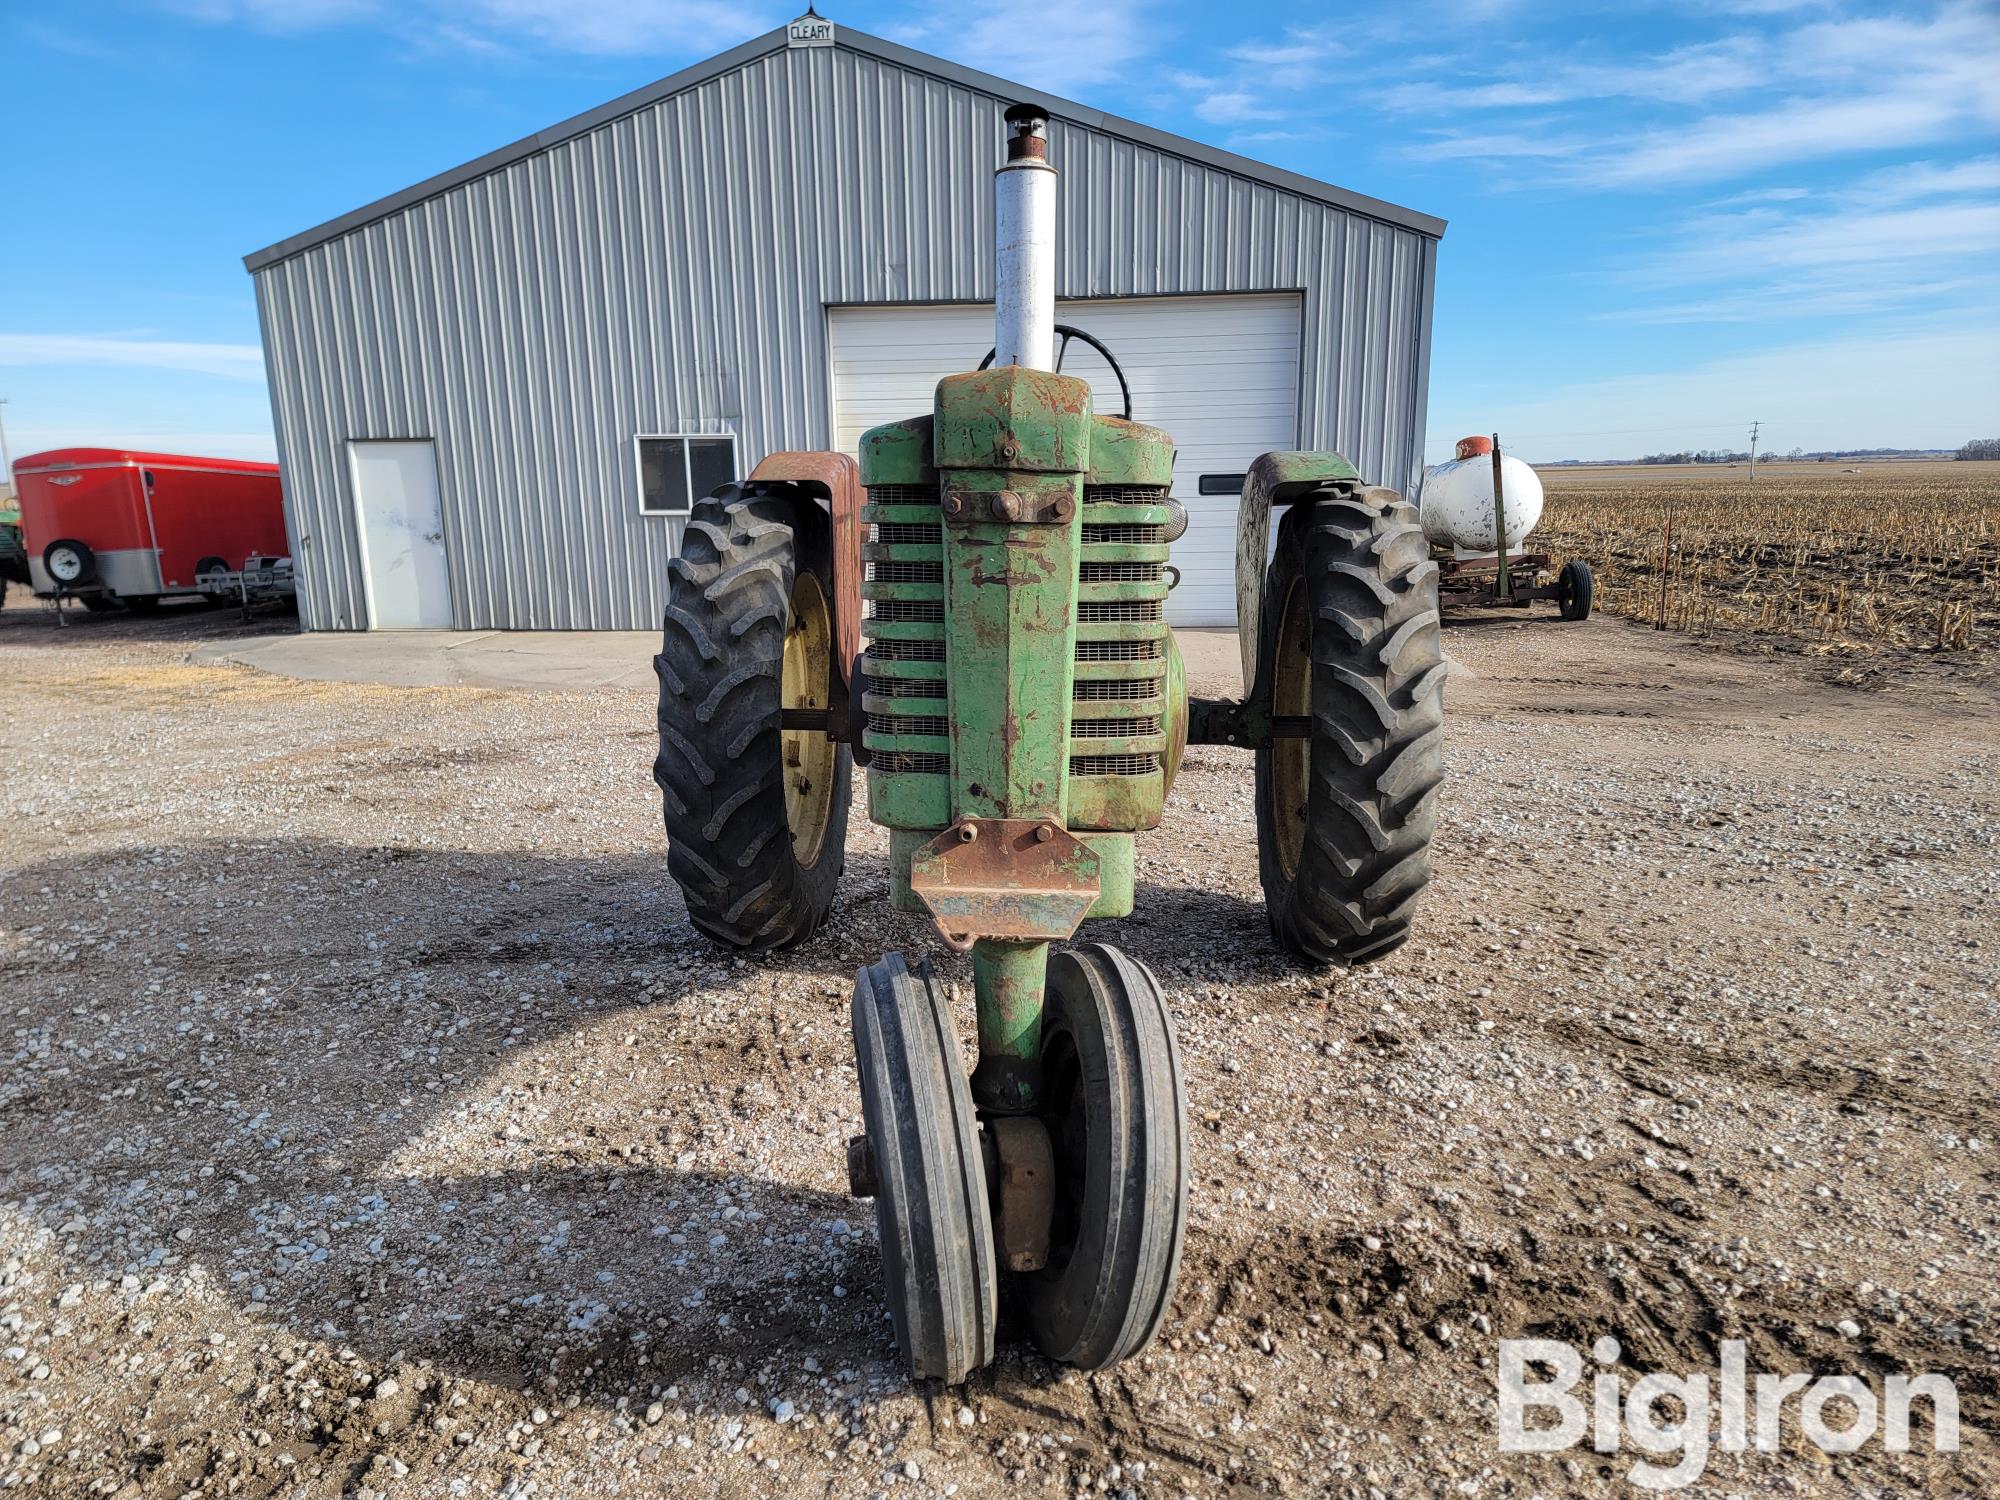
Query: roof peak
[[895, 53]]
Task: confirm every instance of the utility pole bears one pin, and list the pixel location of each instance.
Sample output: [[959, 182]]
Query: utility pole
[[6, 462], [1753, 448]]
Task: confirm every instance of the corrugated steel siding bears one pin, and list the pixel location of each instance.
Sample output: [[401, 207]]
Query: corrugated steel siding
[[669, 272]]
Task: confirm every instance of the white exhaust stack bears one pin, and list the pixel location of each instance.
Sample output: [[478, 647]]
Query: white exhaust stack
[[1024, 288]]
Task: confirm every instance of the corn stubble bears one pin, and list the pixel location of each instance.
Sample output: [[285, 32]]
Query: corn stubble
[[1895, 557]]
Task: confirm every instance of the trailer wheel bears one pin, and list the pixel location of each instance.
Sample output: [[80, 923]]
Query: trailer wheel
[[101, 604], [69, 563], [142, 604], [756, 814], [1350, 642], [1574, 588]]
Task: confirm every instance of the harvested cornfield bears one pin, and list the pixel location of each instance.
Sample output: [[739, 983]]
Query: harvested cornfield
[[1840, 558]]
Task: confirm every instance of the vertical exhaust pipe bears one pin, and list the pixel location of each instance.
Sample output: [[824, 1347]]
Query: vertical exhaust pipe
[[1024, 221]]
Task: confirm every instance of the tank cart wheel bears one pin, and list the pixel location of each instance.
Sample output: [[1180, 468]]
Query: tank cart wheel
[[1116, 1113], [927, 1173], [1574, 588], [756, 814], [1350, 641], [69, 563]]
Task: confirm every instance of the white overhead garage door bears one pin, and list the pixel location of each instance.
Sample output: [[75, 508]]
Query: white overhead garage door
[[1220, 374]]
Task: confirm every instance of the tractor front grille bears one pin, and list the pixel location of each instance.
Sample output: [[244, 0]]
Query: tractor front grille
[[906, 650], [1114, 765], [1111, 689], [908, 611], [906, 572], [1127, 593], [905, 687], [905, 596], [1111, 611], [912, 763], [1151, 650], [1122, 572], [1138, 596], [1113, 533], [1113, 729], [924, 724], [908, 534]]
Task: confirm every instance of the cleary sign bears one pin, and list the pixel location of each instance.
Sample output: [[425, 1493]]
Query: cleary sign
[[809, 30]]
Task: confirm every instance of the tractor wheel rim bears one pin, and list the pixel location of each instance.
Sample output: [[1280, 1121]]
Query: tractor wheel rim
[[809, 756], [1291, 759]]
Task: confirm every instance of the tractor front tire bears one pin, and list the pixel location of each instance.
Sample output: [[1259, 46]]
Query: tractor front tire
[[756, 814], [1350, 643]]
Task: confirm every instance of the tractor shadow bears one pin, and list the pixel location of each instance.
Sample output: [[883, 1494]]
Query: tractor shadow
[[506, 1114]]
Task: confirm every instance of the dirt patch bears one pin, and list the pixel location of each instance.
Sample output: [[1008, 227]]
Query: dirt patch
[[374, 1119]]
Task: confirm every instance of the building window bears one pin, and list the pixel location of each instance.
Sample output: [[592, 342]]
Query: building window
[[675, 471]]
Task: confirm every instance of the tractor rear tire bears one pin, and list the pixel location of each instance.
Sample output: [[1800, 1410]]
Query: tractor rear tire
[[1574, 589], [756, 815], [1350, 641]]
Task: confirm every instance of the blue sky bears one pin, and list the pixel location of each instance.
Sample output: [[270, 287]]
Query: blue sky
[[1666, 219]]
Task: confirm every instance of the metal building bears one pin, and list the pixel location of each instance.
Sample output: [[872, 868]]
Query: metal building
[[491, 390]]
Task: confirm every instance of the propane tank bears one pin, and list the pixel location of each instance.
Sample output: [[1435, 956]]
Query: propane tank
[[1456, 502]]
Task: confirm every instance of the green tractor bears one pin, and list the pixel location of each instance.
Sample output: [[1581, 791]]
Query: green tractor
[[1021, 710]]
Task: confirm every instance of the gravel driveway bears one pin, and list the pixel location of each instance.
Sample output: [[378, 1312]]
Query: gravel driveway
[[372, 1120]]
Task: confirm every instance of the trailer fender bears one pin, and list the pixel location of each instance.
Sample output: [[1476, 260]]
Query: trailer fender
[[1274, 479], [834, 479]]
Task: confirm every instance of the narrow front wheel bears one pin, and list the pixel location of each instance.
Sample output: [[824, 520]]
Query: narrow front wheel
[[1116, 1112], [929, 1176]]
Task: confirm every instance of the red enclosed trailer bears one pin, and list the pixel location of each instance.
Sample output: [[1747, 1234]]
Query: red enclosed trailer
[[105, 523]]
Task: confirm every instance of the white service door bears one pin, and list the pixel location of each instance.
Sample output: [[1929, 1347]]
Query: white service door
[[1219, 374], [402, 535]]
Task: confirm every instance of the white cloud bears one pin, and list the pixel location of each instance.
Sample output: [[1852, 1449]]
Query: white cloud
[[1919, 233], [1727, 108], [1912, 180], [231, 361], [1798, 130], [676, 28], [1059, 50], [1914, 387], [1232, 107]]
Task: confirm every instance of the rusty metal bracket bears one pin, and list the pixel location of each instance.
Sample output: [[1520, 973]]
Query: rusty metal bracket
[[836, 479], [1021, 1167], [1248, 726], [1023, 879], [1026, 504]]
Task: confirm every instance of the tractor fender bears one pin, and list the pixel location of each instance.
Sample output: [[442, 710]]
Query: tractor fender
[[1274, 479], [834, 479]]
